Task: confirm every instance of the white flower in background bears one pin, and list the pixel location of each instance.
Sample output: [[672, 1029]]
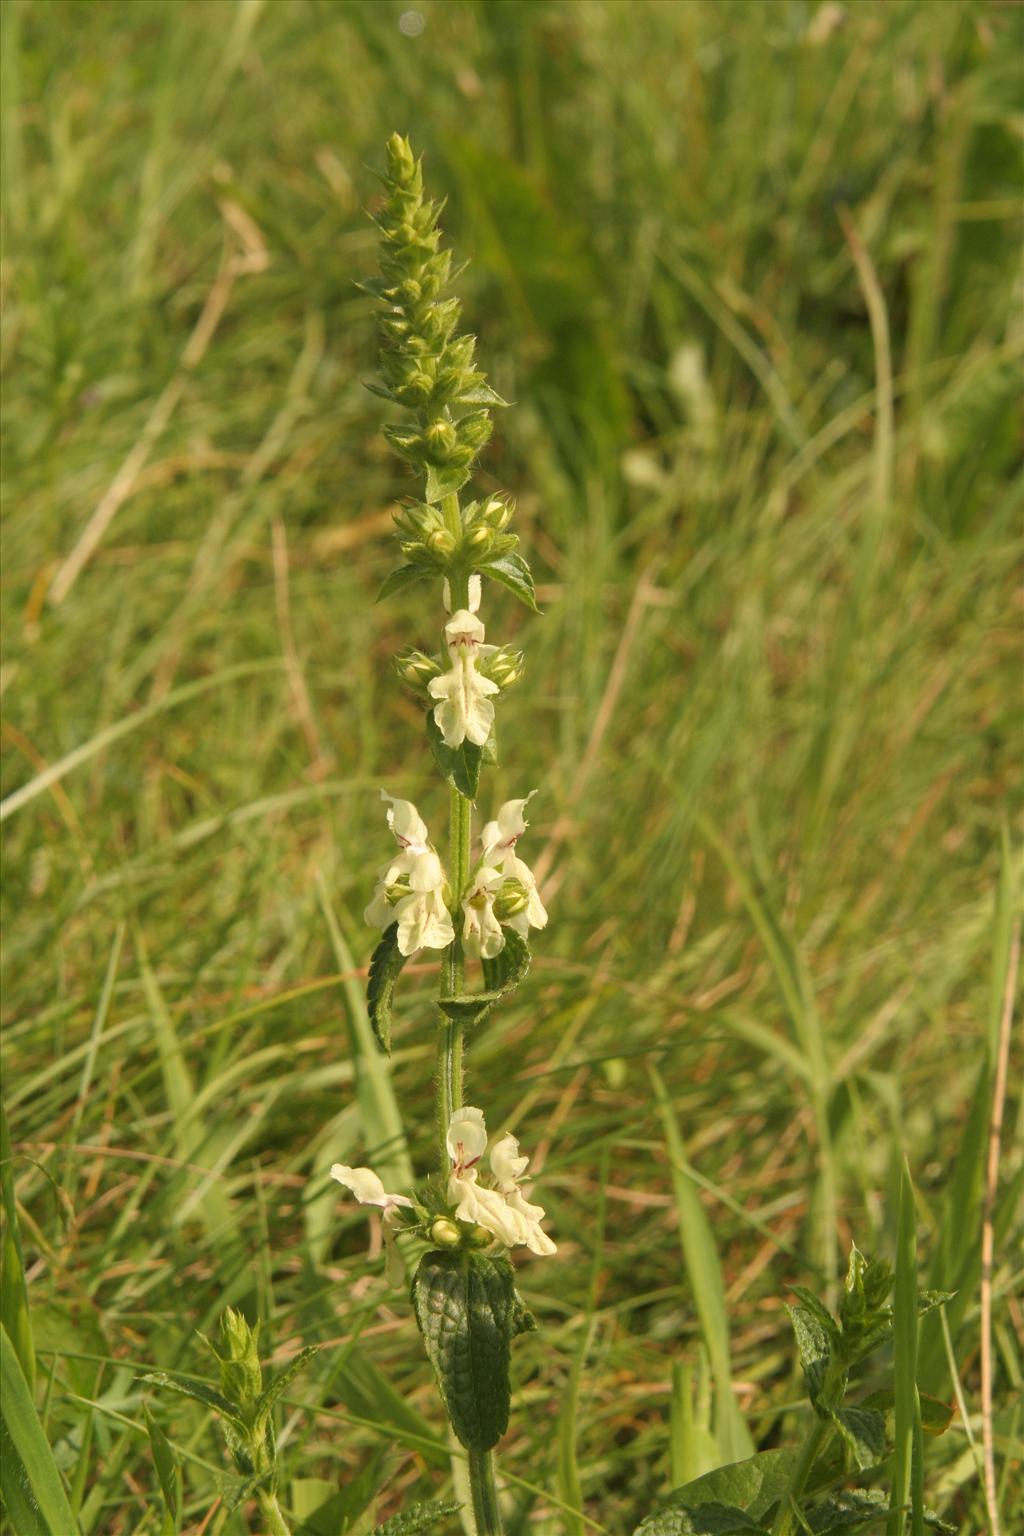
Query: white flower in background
[[498, 841], [410, 890], [502, 1211], [368, 1190], [467, 1142], [464, 711], [481, 932], [508, 1167]]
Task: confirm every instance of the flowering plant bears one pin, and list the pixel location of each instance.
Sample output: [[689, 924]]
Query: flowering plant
[[475, 1211]]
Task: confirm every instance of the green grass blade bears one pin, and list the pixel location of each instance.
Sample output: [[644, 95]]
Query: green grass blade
[[705, 1273], [906, 1479], [382, 1120], [35, 1485], [14, 1310]]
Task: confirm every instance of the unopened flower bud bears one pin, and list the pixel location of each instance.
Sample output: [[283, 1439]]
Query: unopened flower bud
[[241, 1378], [445, 1233], [441, 541], [504, 668], [497, 512], [441, 436], [479, 1237], [510, 900], [478, 538], [415, 669]]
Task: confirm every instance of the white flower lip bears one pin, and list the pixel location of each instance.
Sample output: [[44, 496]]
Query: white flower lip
[[423, 919], [367, 1187], [503, 1211]]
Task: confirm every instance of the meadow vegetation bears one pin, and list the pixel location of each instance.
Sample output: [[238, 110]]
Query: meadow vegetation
[[750, 274]]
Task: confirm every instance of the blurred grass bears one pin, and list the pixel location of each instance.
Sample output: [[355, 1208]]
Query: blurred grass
[[772, 710]]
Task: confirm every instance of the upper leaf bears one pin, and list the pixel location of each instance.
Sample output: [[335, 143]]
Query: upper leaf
[[863, 1432], [283, 1379], [200, 1393], [401, 577], [386, 964], [514, 573], [815, 1349]]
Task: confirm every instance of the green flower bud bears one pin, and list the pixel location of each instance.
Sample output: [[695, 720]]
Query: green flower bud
[[479, 1237], [416, 669], [445, 1233], [241, 1377], [504, 668], [511, 899], [441, 541]]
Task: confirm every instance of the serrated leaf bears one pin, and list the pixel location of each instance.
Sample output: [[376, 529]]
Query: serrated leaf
[[199, 1392], [418, 1517], [813, 1343], [750, 1488], [817, 1307], [442, 482], [514, 573], [401, 577], [466, 1310], [236, 1491], [460, 765], [168, 1472], [863, 1431], [386, 964], [849, 1510], [288, 1373]]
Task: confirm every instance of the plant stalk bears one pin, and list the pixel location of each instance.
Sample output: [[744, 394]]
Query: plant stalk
[[273, 1520], [785, 1520], [485, 1495], [448, 1095]]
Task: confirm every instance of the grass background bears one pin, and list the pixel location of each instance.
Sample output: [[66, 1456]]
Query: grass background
[[771, 710]]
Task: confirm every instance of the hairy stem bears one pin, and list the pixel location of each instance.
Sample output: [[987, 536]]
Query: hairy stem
[[273, 1521], [485, 1495], [453, 966], [785, 1520]]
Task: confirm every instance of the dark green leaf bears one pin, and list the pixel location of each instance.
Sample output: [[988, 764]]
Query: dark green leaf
[[386, 964], [199, 1392], [863, 1431], [850, 1510], [514, 573], [815, 1351], [444, 482], [401, 577], [467, 1312], [460, 765], [168, 1472], [505, 972], [416, 1518], [750, 1488], [704, 1520], [283, 1379]]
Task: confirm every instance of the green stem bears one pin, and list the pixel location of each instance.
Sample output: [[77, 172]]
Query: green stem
[[453, 966], [273, 1520], [485, 1495], [785, 1519]]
